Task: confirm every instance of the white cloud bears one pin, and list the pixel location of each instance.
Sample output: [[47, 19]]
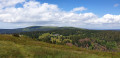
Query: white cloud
[[31, 12], [35, 13], [116, 5], [106, 19], [9, 3], [79, 9]]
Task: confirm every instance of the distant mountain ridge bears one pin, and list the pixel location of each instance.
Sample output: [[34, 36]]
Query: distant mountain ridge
[[34, 28]]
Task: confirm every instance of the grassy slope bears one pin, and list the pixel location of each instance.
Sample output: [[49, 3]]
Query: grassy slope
[[24, 47]]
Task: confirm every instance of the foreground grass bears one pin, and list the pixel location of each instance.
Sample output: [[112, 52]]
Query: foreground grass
[[24, 47]]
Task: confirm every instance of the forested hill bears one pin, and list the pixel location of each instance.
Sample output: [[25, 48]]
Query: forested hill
[[104, 40], [33, 28]]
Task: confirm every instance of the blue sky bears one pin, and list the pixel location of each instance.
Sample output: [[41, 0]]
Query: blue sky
[[103, 14], [99, 7]]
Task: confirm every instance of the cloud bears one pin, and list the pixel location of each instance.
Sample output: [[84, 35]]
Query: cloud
[[106, 19], [9, 3], [31, 12], [116, 5], [79, 9], [36, 13]]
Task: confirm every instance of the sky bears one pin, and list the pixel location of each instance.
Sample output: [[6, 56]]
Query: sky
[[89, 14]]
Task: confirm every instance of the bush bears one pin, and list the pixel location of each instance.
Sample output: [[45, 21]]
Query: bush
[[45, 37], [111, 45], [16, 35]]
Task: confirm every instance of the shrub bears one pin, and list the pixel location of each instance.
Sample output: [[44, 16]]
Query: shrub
[[45, 37], [111, 45], [16, 35]]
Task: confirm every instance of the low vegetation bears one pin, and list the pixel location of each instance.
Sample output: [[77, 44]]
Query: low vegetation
[[25, 47]]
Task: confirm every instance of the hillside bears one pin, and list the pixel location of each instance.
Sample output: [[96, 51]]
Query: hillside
[[90, 39], [24, 47], [33, 28], [59, 42]]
